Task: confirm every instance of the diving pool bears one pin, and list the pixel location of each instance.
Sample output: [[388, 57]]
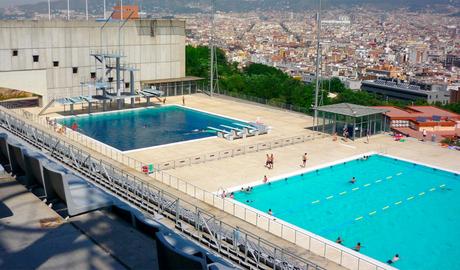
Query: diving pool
[[394, 207], [148, 127]]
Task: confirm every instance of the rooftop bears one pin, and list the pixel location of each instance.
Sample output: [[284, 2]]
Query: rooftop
[[417, 111], [353, 110]]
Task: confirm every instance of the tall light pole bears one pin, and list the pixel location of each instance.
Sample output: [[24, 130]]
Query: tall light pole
[[214, 75], [86, 3], [104, 10], [121, 9], [49, 10], [318, 59], [68, 10]]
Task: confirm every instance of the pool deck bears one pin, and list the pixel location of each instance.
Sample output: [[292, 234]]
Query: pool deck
[[284, 124], [249, 168]]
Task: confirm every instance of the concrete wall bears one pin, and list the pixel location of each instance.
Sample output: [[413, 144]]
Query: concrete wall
[[155, 47]]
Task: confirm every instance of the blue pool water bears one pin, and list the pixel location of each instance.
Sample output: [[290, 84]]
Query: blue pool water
[[394, 207], [140, 128]]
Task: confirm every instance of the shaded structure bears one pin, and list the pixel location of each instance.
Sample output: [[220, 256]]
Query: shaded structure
[[356, 120]]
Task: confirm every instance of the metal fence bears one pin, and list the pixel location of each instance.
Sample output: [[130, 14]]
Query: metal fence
[[317, 245], [263, 101], [236, 244], [237, 151], [88, 142]]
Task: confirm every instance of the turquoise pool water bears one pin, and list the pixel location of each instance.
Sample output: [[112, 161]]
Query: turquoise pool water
[[140, 128], [394, 207]]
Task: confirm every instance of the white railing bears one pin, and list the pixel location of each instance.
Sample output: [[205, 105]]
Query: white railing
[[309, 241], [88, 142], [237, 151]]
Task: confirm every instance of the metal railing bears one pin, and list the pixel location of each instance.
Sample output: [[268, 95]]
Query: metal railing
[[238, 151], [236, 244], [263, 101], [88, 142], [313, 243]]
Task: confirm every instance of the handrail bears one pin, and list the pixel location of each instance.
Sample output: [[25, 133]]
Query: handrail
[[151, 199]]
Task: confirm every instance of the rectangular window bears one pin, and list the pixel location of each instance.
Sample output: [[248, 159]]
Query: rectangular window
[[93, 75], [35, 58], [55, 63], [15, 52], [75, 70], [127, 85], [110, 79]]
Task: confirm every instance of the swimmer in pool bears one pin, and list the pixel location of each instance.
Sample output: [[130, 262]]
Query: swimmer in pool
[[353, 180], [395, 259]]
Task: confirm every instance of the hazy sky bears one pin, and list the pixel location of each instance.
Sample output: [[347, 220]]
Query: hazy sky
[[4, 3]]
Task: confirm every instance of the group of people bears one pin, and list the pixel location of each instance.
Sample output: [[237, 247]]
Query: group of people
[[270, 160], [246, 190], [358, 248]]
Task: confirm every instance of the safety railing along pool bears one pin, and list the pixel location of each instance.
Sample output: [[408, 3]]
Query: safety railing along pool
[[236, 244]]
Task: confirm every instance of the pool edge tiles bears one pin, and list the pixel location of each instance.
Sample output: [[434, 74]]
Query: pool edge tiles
[[133, 150], [378, 262], [303, 171]]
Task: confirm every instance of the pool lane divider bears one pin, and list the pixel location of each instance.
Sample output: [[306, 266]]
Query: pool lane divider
[[354, 189], [398, 203]]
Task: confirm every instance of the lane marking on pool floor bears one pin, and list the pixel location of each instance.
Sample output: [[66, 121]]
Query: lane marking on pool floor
[[378, 181], [400, 173], [397, 203], [314, 202], [366, 185], [389, 177], [356, 188], [443, 185], [330, 197], [343, 193]]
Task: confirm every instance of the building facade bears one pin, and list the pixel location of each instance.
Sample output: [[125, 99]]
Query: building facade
[[52, 58], [403, 91]]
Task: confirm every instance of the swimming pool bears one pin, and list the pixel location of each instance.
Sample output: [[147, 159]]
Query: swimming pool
[[147, 127], [395, 207]]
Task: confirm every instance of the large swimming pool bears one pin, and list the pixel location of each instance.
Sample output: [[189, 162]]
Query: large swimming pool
[[148, 127], [393, 207]]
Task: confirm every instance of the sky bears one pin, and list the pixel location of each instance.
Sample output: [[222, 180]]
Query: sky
[[5, 3]]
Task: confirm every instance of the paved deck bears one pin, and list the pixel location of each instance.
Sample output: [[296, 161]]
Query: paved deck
[[283, 123], [33, 236], [243, 170], [246, 169]]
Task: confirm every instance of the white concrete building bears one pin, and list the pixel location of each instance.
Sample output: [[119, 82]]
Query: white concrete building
[[52, 58]]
